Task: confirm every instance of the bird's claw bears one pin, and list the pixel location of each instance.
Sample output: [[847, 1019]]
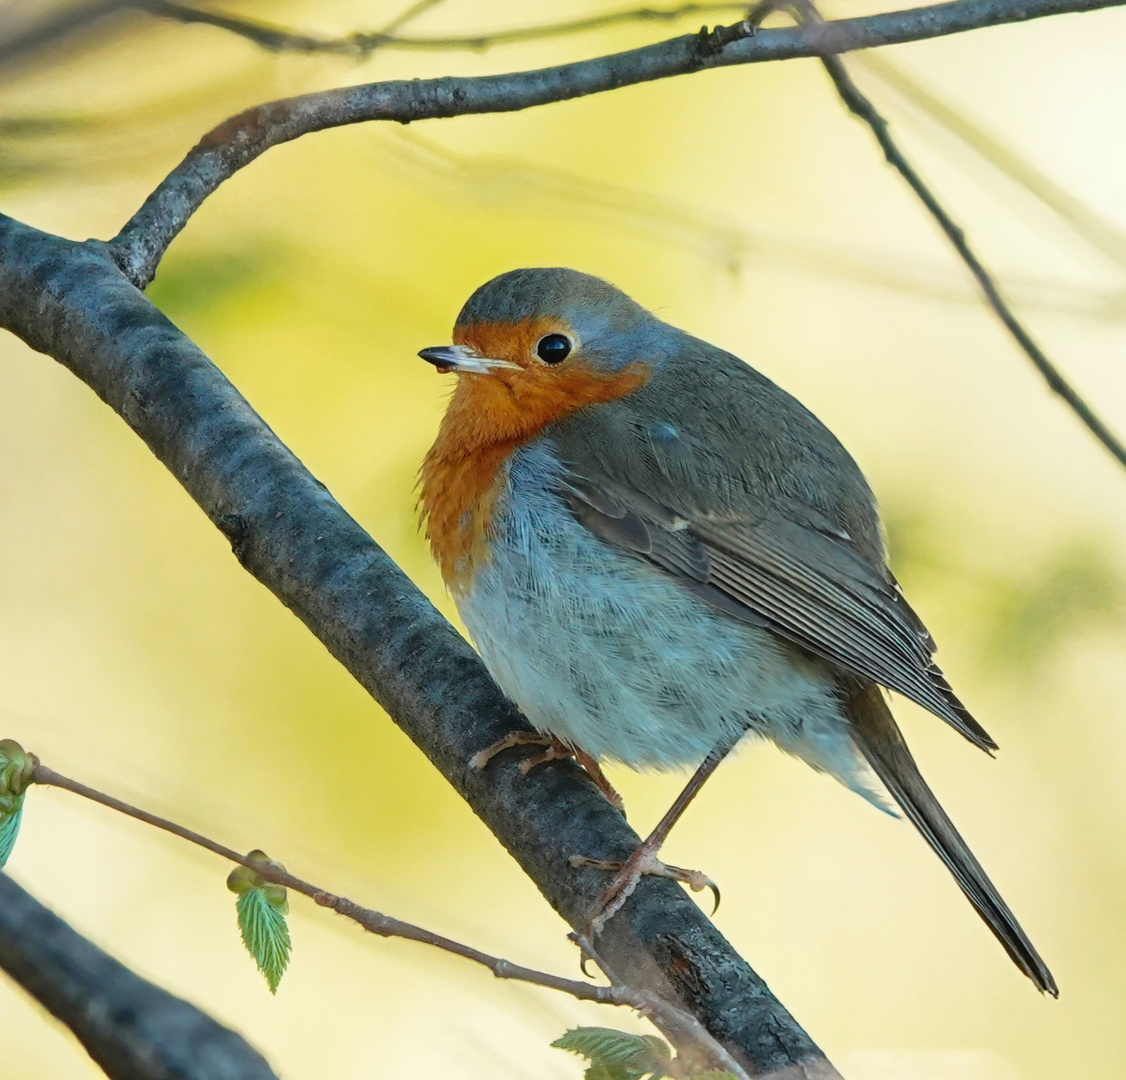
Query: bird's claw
[[697, 881], [514, 738], [642, 863], [552, 749]]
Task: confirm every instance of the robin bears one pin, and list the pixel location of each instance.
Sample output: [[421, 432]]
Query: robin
[[658, 551]]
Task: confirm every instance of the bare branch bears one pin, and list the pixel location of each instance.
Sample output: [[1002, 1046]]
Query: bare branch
[[691, 1035], [235, 143], [374, 922], [1099, 231], [132, 1028], [360, 44], [409, 14], [861, 107], [57, 26], [277, 39], [70, 301]]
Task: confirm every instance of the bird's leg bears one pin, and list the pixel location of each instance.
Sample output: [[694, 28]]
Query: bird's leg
[[644, 859], [553, 750]]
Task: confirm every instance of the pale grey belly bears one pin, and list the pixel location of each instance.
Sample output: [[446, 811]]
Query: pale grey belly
[[613, 656]]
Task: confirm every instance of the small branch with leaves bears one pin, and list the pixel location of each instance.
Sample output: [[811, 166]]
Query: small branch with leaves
[[260, 885]]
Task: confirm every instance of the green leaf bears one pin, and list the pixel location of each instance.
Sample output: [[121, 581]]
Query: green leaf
[[9, 830], [17, 767], [262, 907], [617, 1055]]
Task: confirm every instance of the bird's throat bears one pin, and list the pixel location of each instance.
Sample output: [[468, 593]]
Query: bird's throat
[[457, 496], [488, 417]]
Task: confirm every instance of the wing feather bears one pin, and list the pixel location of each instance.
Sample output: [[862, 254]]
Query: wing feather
[[808, 587]]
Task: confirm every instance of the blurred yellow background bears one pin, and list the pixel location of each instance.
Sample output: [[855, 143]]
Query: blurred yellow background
[[746, 207]]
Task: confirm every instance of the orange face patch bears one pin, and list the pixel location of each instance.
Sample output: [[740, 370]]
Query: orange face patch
[[514, 406], [490, 415]]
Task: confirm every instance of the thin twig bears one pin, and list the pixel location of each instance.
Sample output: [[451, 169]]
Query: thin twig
[[1095, 228], [682, 1028], [278, 39], [373, 921], [862, 107], [56, 27], [409, 14], [359, 44], [266, 35]]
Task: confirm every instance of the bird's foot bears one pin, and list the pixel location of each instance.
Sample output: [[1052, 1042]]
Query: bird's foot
[[643, 862], [553, 749]]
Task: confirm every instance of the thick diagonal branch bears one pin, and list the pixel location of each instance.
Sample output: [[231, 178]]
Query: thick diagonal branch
[[71, 302], [133, 1029]]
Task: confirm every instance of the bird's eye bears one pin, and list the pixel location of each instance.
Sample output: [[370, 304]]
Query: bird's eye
[[554, 348]]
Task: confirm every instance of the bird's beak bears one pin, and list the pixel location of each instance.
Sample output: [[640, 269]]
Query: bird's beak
[[462, 358]]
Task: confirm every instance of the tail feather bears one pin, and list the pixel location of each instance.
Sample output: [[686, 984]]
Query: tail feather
[[878, 738]]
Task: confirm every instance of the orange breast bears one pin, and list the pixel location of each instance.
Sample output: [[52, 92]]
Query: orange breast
[[488, 417]]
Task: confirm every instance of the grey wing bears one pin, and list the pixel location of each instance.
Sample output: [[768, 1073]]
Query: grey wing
[[803, 584]]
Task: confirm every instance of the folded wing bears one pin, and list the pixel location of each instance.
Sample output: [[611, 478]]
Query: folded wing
[[806, 584]]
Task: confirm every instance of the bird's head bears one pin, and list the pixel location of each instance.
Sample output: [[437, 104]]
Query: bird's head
[[532, 346]]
